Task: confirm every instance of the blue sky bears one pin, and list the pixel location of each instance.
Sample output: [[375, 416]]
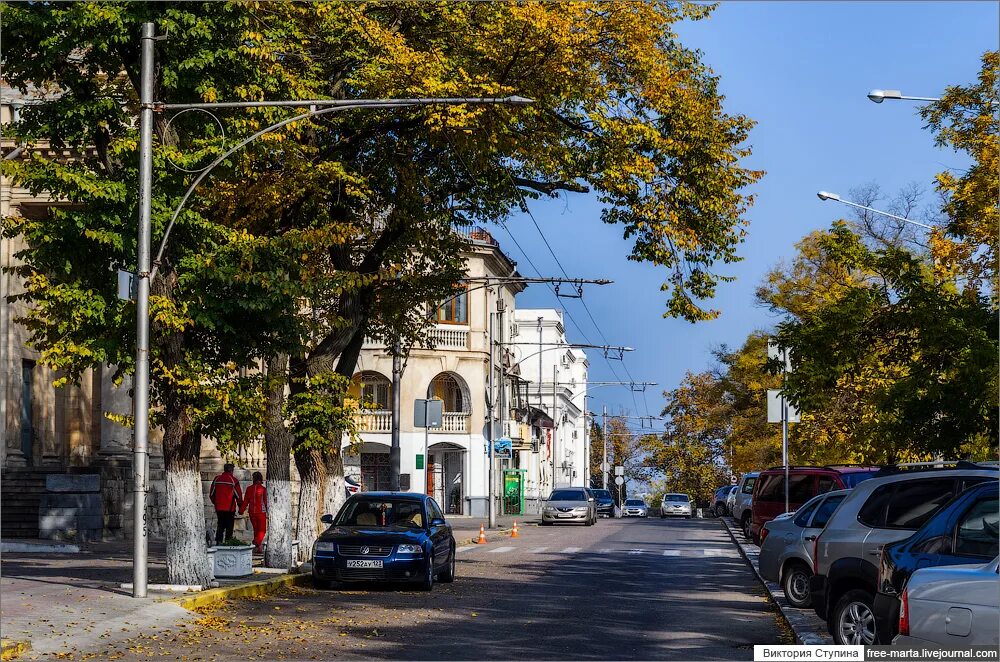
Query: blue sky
[[801, 70]]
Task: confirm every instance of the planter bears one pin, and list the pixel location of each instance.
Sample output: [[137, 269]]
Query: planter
[[232, 561], [211, 560]]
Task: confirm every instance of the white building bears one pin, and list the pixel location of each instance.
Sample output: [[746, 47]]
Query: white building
[[456, 371], [555, 377]]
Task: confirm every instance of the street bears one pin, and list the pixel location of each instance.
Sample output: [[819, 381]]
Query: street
[[622, 589]]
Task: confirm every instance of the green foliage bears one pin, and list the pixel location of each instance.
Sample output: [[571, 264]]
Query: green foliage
[[320, 411]]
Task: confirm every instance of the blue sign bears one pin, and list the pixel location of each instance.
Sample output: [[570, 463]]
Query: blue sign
[[503, 448]]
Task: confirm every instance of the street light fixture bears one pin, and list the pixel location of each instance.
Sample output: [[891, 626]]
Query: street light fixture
[[826, 195], [878, 96]]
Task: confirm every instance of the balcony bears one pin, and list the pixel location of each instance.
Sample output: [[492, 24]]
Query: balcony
[[375, 420], [455, 421], [441, 337]]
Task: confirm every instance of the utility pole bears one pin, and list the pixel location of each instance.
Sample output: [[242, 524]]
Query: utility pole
[[394, 450], [490, 508], [140, 402], [501, 395], [604, 439], [555, 425]]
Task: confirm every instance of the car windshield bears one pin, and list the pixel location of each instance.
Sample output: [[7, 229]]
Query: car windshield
[[680, 498], [602, 494], [634, 502], [567, 495], [852, 478], [381, 513]]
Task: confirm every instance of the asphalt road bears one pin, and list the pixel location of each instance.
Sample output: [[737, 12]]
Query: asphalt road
[[623, 589]]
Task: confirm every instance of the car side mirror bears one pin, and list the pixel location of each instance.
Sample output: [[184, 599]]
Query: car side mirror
[[326, 519], [591, 499], [437, 521]]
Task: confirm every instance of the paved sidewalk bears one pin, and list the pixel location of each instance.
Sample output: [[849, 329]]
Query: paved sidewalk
[[72, 602]]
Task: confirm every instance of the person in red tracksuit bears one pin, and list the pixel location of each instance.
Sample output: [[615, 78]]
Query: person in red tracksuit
[[256, 500], [227, 496]]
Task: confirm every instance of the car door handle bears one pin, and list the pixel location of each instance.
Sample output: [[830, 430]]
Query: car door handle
[[810, 538]]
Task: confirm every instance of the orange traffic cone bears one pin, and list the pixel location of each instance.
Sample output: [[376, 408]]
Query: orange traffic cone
[[513, 534], [482, 535]]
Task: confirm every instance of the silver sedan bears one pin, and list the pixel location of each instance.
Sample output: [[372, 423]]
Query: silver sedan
[[675, 504], [570, 504]]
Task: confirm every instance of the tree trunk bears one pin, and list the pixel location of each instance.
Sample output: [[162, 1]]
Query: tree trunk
[[187, 557], [312, 477], [278, 448], [335, 493]]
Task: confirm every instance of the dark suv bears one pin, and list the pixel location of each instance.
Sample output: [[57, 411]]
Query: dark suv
[[605, 502], [890, 507], [964, 531], [803, 484]]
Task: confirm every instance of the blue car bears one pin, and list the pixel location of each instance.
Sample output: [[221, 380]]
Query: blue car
[[964, 531], [385, 536]]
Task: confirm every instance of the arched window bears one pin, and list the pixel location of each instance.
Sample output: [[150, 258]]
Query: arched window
[[447, 388], [373, 390]]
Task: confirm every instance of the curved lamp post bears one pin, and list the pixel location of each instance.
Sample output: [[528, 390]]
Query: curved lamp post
[[144, 274], [878, 96]]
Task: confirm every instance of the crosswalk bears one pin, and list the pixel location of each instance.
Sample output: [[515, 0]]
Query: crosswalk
[[686, 552]]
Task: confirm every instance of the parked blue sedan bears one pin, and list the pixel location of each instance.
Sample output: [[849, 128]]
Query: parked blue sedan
[[385, 536]]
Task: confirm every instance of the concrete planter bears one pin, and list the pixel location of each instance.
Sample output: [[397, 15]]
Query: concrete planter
[[232, 561]]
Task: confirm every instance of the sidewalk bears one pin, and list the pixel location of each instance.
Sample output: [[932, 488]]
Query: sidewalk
[[466, 528], [72, 602]]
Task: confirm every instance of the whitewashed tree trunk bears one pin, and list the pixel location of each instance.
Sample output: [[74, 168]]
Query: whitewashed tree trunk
[[279, 524], [335, 493], [278, 447], [187, 558], [311, 483]]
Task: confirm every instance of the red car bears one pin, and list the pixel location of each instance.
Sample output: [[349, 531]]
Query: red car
[[804, 483]]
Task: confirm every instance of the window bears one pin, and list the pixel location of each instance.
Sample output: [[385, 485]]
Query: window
[[568, 495], [802, 517], [873, 512], [853, 478], [446, 388], [824, 512], [771, 489], [434, 510], [748, 485], [381, 513], [676, 498], [916, 501], [977, 531], [826, 484], [800, 488], [455, 310], [373, 391]]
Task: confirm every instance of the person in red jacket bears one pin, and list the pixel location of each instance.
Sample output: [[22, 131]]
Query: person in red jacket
[[227, 497], [256, 501]]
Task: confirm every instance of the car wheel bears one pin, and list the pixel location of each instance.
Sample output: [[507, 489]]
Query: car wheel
[[428, 581], [447, 575], [853, 621], [745, 525], [795, 584], [544, 523]]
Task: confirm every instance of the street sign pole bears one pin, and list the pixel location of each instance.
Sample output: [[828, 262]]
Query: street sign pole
[[604, 439], [394, 438], [490, 509], [427, 463]]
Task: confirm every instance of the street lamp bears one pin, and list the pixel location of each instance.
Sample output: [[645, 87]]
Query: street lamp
[[826, 195], [146, 268], [878, 96]]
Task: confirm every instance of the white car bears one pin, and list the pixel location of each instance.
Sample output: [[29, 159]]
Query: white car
[[951, 605], [675, 505]]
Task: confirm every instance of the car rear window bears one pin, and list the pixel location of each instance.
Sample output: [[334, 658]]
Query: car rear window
[[906, 504], [977, 533], [567, 495], [773, 489], [852, 479], [802, 517]]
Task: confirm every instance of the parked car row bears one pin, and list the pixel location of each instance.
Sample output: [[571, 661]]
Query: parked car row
[[874, 557]]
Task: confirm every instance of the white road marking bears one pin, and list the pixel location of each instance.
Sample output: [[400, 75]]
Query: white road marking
[[636, 551], [538, 550], [500, 550], [464, 548], [671, 552], [717, 552], [605, 551], [571, 550]]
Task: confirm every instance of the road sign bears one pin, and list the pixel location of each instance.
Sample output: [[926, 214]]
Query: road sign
[[503, 448], [619, 471], [776, 353], [127, 285], [427, 413], [774, 408], [619, 480], [605, 466]]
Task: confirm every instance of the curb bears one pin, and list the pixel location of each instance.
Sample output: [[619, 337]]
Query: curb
[[252, 590], [10, 649], [796, 621]]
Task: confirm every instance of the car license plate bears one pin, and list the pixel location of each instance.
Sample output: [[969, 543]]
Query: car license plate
[[565, 515], [358, 563]]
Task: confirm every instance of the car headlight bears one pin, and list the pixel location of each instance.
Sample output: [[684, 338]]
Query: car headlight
[[549, 509], [581, 509], [322, 546], [411, 550]]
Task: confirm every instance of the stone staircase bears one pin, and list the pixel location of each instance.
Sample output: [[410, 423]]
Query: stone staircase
[[21, 492]]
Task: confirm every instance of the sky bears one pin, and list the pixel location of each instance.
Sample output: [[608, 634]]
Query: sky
[[802, 71]]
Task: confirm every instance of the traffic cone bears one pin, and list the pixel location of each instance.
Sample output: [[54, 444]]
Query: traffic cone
[[513, 534], [482, 535]]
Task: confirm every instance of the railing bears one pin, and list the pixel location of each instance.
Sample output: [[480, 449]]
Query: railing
[[441, 337], [377, 420], [455, 421]]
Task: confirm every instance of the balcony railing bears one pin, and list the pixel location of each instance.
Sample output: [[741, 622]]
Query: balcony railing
[[441, 337], [377, 420], [455, 421]]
